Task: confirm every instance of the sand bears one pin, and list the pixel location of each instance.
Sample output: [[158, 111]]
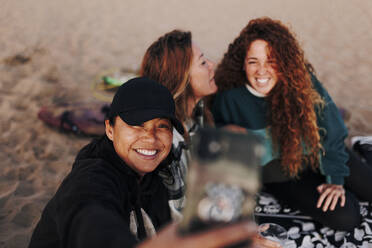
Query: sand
[[52, 51]]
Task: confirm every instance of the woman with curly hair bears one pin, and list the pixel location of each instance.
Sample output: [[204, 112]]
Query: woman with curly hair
[[266, 86]]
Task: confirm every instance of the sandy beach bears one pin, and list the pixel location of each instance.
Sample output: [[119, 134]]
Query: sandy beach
[[52, 51]]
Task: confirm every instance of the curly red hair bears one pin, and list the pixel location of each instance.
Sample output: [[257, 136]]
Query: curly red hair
[[292, 101]]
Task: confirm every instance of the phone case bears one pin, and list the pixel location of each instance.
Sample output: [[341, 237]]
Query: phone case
[[223, 178]]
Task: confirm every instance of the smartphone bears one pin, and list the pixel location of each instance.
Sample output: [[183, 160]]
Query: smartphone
[[223, 179]]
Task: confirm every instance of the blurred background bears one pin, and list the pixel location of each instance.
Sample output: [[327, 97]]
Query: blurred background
[[53, 50]]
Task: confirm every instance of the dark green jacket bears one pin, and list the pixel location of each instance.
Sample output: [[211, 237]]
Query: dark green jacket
[[239, 106]]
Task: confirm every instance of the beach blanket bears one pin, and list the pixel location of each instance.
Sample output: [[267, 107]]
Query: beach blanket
[[304, 232]]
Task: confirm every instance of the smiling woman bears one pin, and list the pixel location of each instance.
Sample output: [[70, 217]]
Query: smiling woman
[[177, 62], [142, 147], [201, 75], [113, 191], [260, 68], [266, 86]]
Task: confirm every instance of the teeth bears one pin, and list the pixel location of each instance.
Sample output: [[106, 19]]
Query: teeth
[[146, 152], [263, 80]]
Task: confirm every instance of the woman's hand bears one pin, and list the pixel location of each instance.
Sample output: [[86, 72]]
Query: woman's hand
[[235, 128], [330, 194], [219, 237], [260, 242]]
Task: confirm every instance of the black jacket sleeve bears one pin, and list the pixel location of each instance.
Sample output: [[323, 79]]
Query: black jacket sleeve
[[92, 210], [97, 226]]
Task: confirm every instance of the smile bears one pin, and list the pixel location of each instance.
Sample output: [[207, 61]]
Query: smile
[[146, 152], [262, 80]]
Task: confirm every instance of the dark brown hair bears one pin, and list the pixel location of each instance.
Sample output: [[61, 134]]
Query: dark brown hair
[[291, 102]]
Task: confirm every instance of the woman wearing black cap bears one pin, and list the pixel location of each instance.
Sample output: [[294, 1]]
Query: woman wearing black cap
[[113, 196]]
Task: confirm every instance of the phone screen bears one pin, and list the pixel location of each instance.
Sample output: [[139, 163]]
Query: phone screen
[[222, 180]]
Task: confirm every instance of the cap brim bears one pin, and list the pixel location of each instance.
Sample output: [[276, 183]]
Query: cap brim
[[137, 117]]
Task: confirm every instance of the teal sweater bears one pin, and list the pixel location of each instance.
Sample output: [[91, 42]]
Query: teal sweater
[[238, 106]]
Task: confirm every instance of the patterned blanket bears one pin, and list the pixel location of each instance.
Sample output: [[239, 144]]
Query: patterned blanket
[[304, 232]]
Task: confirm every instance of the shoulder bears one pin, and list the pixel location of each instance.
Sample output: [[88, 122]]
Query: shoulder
[[90, 180], [91, 169], [177, 137], [241, 98], [318, 86], [233, 92], [235, 95]]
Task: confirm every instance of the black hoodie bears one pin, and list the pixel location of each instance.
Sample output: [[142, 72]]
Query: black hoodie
[[92, 206]]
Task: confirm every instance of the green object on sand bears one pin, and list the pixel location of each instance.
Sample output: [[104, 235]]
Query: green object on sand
[[112, 81]]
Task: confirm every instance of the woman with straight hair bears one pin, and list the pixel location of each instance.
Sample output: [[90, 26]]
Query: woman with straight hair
[[177, 62]]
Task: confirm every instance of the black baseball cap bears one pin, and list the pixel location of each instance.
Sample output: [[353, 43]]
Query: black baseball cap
[[142, 99]]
